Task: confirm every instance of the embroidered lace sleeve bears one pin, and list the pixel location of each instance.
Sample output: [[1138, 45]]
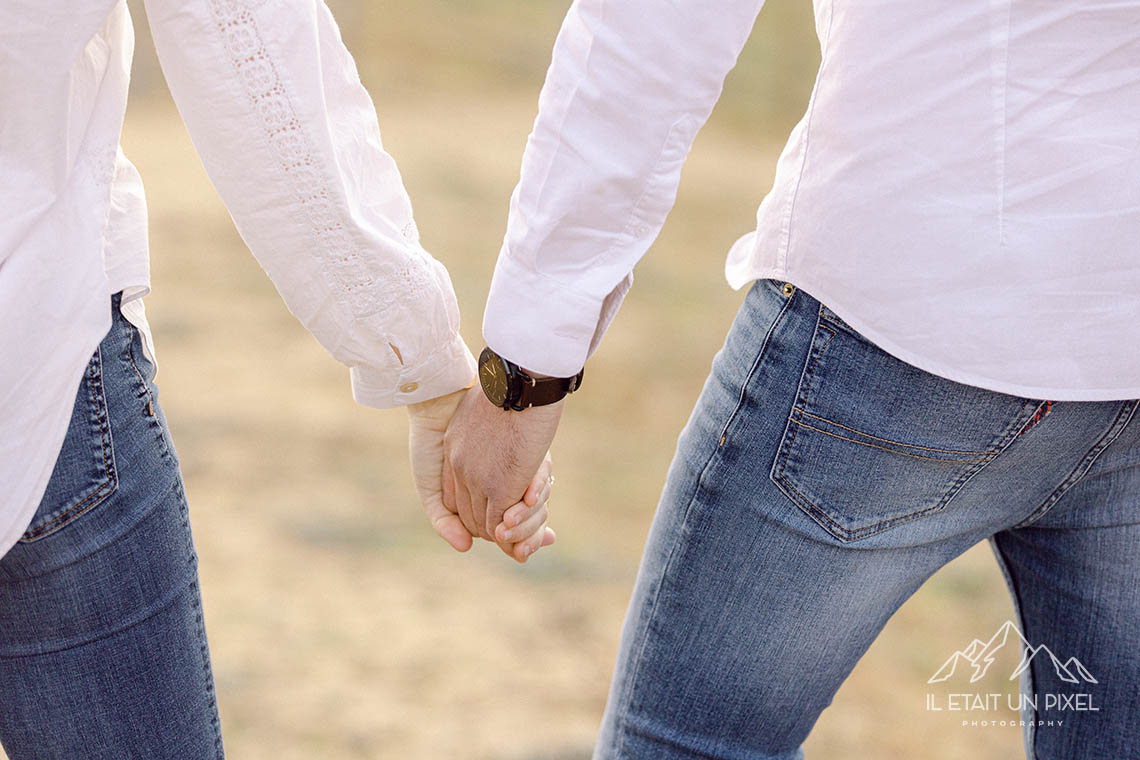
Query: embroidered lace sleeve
[[289, 136]]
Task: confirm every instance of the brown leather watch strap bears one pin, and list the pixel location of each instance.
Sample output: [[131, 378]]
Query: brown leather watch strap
[[540, 391]]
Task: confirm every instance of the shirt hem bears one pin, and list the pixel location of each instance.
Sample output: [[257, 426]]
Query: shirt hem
[[1043, 392]]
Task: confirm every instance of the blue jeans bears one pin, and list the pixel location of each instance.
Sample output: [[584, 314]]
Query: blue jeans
[[819, 482], [102, 647]]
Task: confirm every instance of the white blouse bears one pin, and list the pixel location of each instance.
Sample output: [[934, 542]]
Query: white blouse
[[964, 188], [289, 137]]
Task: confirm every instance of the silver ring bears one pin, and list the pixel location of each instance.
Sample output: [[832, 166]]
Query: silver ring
[[550, 480]]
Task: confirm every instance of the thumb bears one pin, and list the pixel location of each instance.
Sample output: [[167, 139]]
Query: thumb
[[425, 447], [446, 524]]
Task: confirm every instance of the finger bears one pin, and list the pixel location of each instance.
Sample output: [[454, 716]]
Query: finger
[[448, 483], [463, 509], [526, 506], [521, 512], [540, 481], [480, 513], [493, 517], [544, 495], [526, 548], [446, 524], [548, 538], [533, 524], [535, 496], [450, 528], [507, 549]]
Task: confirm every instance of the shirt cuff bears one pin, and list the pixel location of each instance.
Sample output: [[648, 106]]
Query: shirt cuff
[[539, 323], [449, 369]]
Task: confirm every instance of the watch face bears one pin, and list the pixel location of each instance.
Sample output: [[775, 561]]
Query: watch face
[[493, 377]]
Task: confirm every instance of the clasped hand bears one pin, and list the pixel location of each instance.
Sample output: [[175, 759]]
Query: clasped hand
[[482, 472]]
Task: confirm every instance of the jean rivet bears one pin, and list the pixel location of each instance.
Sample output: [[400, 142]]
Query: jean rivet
[[789, 288]]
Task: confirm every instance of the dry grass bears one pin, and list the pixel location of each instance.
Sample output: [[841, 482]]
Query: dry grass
[[340, 627]]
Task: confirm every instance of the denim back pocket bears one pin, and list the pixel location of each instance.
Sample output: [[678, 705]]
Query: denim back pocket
[[873, 442], [84, 475]]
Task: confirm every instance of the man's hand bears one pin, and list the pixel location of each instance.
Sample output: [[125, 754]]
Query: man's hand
[[490, 457], [526, 519]]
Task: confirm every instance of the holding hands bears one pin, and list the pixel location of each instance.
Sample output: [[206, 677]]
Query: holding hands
[[482, 472]]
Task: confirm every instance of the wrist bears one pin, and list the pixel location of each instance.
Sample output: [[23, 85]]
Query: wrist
[[441, 408], [510, 387]]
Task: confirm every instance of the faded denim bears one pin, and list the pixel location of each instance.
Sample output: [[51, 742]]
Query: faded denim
[[103, 651], [817, 485]]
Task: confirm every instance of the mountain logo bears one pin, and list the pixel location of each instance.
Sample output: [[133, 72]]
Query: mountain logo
[[979, 655]]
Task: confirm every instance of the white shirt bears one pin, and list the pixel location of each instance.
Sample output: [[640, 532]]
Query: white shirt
[[289, 137], [964, 188]]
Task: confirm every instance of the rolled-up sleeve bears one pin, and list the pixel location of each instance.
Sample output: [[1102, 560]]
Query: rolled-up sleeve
[[290, 139], [630, 84]]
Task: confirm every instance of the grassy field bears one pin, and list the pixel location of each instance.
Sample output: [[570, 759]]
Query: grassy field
[[340, 626]]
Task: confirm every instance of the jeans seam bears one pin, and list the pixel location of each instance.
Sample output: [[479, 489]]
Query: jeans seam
[[627, 692], [620, 713], [776, 474], [200, 619], [1031, 736], [752, 370], [837, 322], [151, 406], [803, 391], [129, 354], [1119, 423], [1042, 411], [111, 481]]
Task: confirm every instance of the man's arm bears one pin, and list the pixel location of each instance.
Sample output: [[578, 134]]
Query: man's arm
[[629, 86]]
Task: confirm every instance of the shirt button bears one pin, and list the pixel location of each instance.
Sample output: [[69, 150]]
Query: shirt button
[[409, 387]]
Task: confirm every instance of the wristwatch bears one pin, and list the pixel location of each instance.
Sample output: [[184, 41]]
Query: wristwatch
[[509, 387]]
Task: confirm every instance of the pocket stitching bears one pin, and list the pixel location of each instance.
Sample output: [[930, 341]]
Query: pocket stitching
[[95, 387], [778, 476], [984, 456], [805, 413], [848, 534]]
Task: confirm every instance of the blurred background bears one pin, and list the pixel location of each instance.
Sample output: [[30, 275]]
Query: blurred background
[[340, 626]]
